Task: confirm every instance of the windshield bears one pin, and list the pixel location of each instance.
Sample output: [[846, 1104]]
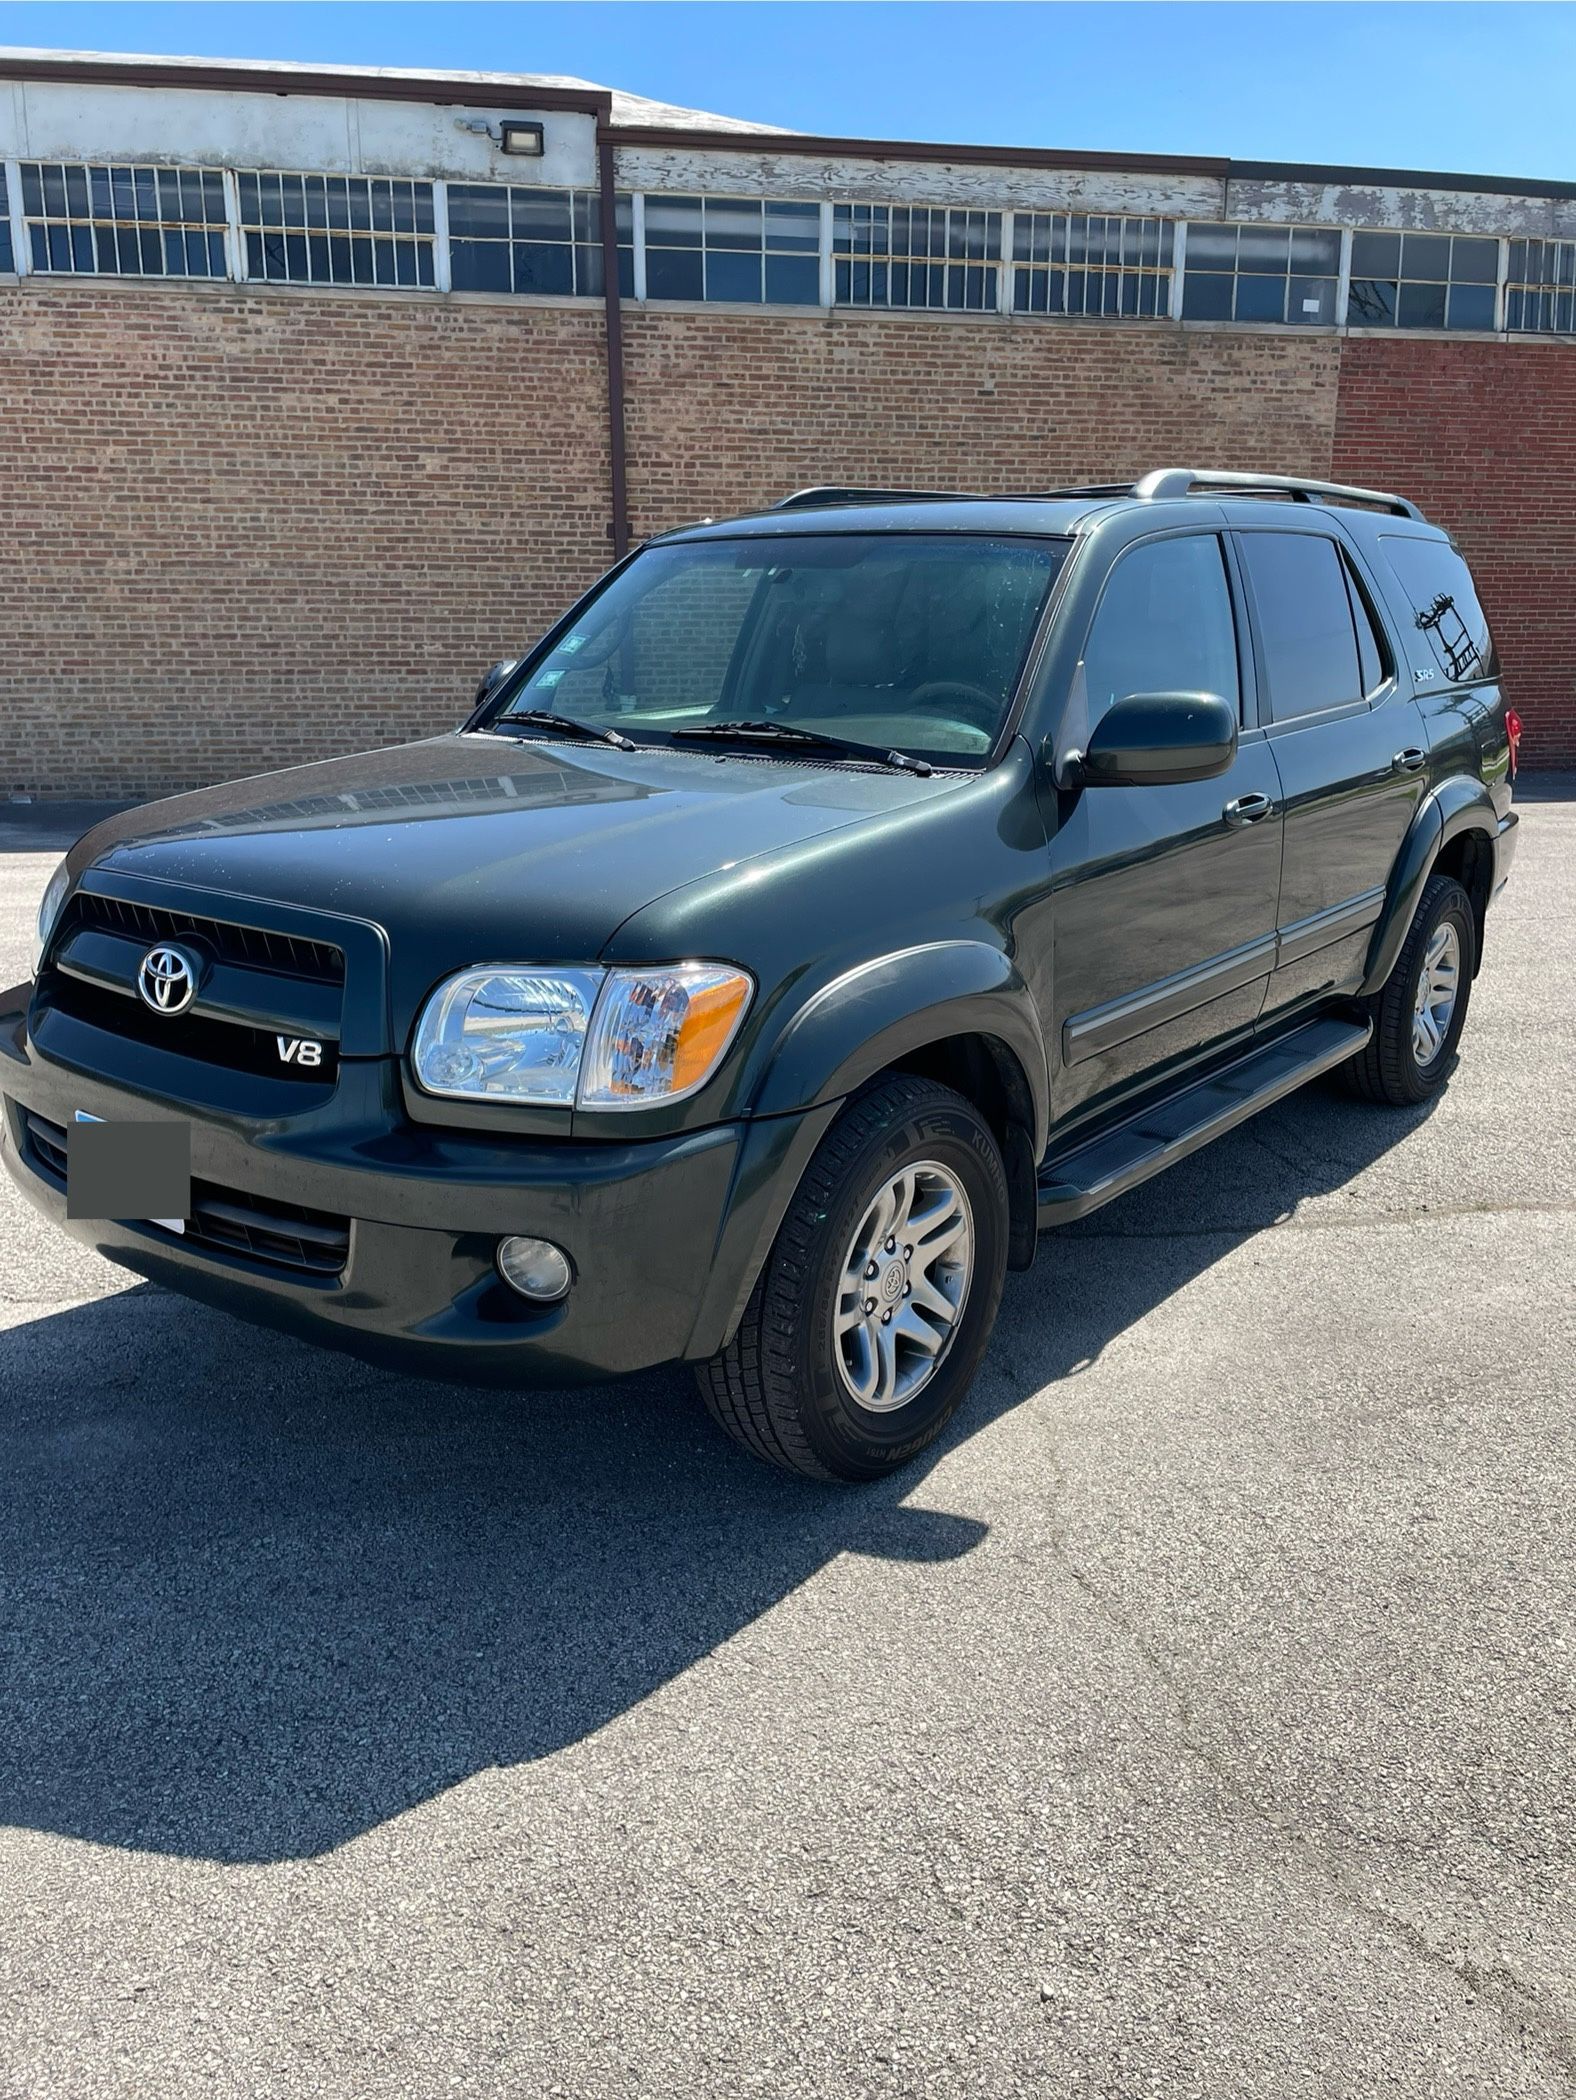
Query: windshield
[[912, 641]]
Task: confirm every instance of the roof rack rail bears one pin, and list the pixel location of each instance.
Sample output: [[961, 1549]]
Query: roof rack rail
[[1166, 482], [1088, 488], [806, 498]]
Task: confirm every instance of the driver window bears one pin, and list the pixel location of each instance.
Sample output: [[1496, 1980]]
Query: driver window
[[1164, 624]]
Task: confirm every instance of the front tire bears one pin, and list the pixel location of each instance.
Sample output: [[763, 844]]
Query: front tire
[[1419, 1015], [868, 1322]]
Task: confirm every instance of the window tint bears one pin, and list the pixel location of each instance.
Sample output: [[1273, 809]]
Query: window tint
[[1305, 622], [1373, 655], [1445, 603], [1164, 625]]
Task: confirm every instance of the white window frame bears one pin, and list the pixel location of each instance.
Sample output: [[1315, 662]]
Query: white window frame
[[1172, 309], [21, 226], [1001, 262], [1006, 263], [21, 247]]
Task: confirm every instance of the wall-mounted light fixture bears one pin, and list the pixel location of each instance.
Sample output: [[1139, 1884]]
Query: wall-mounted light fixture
[[518, 135], [521, 137]]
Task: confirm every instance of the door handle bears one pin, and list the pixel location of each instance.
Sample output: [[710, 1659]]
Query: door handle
[[1411, 760], [1247, 809]]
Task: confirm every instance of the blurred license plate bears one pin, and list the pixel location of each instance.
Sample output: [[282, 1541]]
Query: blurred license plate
[[181, 1137]]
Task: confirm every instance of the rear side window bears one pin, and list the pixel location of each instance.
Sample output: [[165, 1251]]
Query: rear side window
[[1305, 620], [1444, 602], [1373, 654], [1164, 625]]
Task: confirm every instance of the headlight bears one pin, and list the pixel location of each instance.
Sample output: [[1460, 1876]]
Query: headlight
[[507, 1035], [48, 912], [659, 1034], [599, 1038]]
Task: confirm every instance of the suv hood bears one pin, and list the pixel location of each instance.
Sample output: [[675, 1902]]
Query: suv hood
[[476, 848]]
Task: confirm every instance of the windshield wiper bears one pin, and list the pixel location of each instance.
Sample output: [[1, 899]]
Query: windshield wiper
[[813, 739], [544, 718]]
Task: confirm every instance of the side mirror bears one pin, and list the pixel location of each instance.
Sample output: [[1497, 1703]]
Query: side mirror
[[1157, 739], [491, 680]]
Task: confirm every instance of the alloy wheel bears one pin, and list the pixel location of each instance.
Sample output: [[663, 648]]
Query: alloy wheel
[[903, 1286]]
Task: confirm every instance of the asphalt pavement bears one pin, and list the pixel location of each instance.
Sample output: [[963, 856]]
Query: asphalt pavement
[[1199, 1720]]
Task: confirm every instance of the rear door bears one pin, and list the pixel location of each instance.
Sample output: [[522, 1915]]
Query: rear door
[[1163, 897], [1349, 747]]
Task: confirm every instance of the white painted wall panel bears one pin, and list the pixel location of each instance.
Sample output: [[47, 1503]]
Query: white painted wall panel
[[683, 170], [1409, 210], [55, 120]]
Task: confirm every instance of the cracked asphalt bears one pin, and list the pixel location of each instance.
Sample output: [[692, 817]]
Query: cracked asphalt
[[1199, 1721]]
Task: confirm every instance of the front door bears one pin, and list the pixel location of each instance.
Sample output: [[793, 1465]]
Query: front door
[[1349, 745], [1163, 898]]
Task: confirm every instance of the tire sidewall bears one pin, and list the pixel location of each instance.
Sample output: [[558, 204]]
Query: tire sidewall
[[849, 1438], [1452, 904]]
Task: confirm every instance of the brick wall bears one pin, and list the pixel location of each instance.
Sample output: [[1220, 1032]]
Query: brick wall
[[1483, 436], [241, 530], [727, 409]]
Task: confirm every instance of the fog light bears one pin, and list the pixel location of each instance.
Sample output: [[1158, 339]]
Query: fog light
[[535, 1268]]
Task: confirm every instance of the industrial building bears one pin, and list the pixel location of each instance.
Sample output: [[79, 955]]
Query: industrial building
[[321, 389]]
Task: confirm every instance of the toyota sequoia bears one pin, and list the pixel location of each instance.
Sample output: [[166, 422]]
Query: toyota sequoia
[[833, 900]]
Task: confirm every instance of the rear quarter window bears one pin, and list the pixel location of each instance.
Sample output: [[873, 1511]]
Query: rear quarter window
[[1444, 601]]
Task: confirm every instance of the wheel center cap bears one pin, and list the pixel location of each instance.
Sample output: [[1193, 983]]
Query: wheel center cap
[[892, 1281]]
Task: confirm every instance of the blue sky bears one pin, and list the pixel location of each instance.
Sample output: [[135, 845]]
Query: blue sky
[[1482, 88]]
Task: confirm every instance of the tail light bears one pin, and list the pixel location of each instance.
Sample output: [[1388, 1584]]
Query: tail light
[[1513, 738]]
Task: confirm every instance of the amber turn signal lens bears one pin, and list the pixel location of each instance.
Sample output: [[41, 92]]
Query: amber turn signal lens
[[659, 1034]]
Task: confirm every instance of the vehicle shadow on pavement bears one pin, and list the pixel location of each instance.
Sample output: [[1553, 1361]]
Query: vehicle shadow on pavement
[[256, 1598]]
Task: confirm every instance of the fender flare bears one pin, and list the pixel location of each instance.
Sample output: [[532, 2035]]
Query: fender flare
[[1456, 805], [877, 1013]]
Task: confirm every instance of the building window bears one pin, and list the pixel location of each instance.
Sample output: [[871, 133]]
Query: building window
[[1422, 280], [1261, 273], [736, 250], [1082, 263], [530, 240], [337, 229], [1540, 289], [939, 256], [7, 259], [117, 221]]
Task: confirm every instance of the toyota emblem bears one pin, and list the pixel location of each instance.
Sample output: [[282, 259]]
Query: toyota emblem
[[167, 979]]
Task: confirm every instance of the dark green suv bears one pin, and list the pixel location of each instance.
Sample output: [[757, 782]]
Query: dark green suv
[[833, 900]]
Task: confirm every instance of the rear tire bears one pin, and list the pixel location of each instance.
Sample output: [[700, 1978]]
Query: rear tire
[[1419, 1015], [845, 1308]]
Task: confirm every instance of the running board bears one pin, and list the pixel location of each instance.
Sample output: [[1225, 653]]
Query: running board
[[1104, 1167]]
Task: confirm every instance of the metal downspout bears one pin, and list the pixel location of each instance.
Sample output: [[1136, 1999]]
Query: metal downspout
[[618, 470]]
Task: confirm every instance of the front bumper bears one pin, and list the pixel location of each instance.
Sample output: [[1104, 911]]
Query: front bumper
[[666, 1236]]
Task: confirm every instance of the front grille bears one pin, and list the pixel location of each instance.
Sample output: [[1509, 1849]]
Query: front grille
[[271, 990], [274, 1235], [251, 947], [47, 1144], [228, 1043], [283, 1237]]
